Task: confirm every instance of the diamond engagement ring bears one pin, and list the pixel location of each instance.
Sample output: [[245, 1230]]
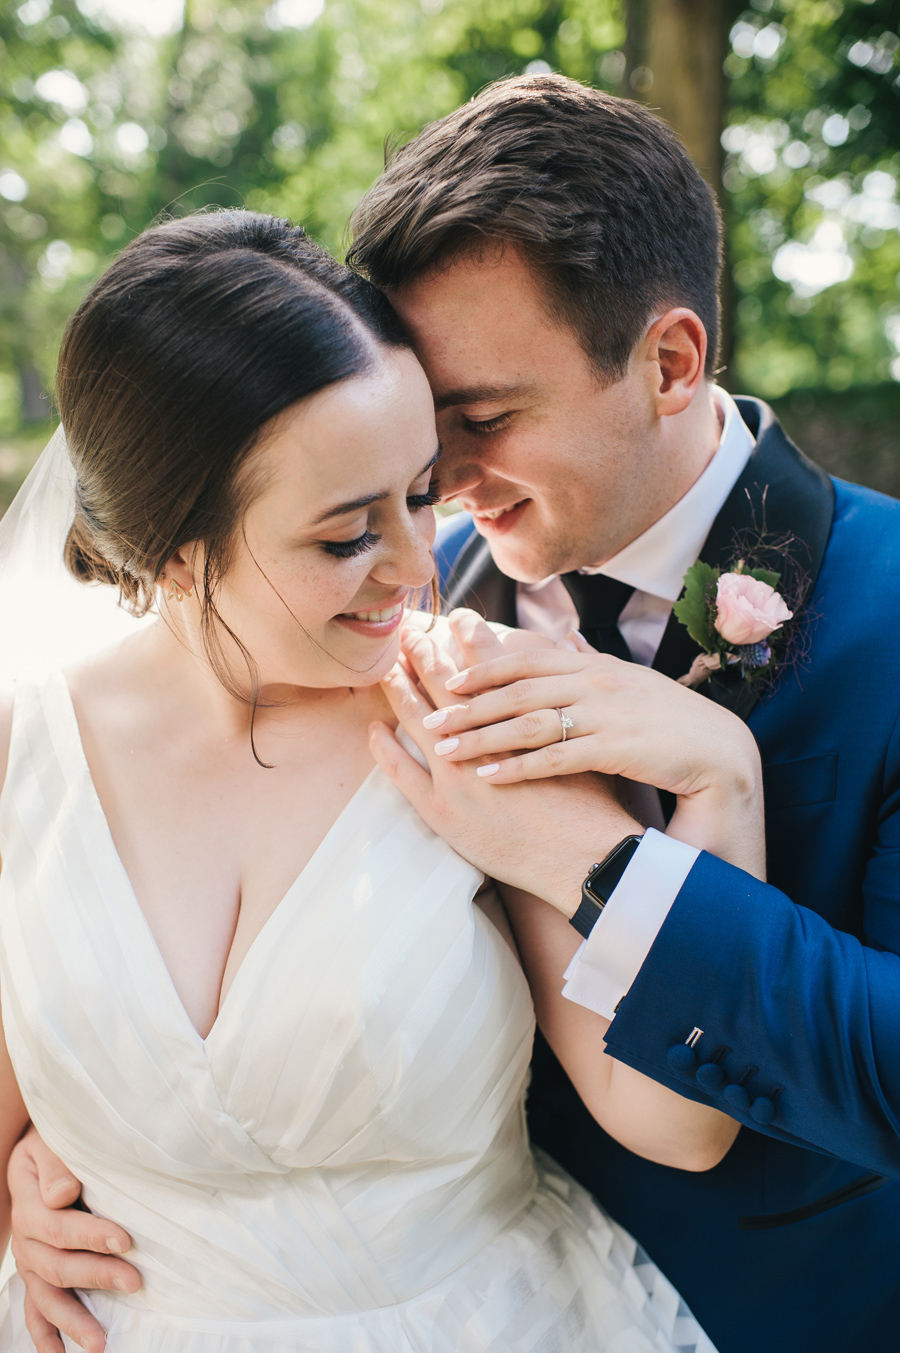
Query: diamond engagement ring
[[566, 723]]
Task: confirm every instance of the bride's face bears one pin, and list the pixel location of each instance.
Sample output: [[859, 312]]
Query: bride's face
[[340, 534]]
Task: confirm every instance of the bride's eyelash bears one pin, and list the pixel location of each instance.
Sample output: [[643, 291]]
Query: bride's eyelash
[[487, 425], [429, 499], [346, 549]]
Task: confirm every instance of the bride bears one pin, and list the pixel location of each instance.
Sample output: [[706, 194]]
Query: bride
[[246, 996]]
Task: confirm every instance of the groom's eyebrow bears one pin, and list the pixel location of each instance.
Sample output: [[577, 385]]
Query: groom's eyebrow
[[482, 394], [356, 504]]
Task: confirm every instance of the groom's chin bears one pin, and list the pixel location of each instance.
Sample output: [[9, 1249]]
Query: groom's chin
[[523, 560]]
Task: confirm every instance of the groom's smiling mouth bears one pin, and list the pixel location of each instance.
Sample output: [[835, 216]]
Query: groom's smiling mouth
[[497, 521]]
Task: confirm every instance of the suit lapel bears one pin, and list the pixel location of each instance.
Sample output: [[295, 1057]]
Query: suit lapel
[[786, 492]]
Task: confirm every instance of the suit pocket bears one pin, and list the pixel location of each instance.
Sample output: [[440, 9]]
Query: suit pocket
[[791, 784]]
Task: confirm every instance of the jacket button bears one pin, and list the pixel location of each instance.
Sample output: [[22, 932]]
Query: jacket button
[[763, 1110], [681, 1058], [737, 1097], [711, 1076]]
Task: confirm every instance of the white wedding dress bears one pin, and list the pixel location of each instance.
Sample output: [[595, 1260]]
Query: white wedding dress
[[342, 1165]]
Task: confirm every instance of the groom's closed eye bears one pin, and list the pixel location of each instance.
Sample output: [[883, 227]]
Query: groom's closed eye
[[483, 426]]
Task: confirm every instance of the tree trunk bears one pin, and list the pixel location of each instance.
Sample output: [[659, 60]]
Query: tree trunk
[[675, 53]]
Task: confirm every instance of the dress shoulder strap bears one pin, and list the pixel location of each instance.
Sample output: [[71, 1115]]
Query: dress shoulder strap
[[43, 757]]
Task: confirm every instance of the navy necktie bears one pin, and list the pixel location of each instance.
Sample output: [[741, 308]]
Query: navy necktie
[[599, 602]]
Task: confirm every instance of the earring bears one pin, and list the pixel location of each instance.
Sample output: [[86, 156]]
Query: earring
[[176, 593]]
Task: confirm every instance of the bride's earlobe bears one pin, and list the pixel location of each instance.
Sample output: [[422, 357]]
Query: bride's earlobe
[[174, 592]]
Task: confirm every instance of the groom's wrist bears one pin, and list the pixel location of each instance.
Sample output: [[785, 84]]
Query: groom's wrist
[[577, 853]]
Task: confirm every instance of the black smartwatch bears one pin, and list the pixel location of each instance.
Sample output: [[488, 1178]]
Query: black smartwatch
[[601, 883]]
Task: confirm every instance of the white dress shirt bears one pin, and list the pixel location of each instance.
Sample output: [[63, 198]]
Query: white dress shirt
[[654, 564]]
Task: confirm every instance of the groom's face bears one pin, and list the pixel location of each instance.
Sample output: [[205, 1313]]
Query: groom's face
[[556, 466]]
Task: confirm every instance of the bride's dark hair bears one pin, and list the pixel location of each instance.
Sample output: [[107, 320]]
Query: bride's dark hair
[[201, 331]]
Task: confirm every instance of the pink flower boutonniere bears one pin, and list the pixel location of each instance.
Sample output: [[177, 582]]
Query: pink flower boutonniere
[[736, 617]]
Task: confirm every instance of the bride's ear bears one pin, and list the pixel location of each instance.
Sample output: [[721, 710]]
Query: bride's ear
[[178, 573]]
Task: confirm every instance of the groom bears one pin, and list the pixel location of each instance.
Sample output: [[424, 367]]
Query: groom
[[556, 256]]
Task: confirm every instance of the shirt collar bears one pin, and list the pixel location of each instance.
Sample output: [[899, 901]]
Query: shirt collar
[[657, 561]]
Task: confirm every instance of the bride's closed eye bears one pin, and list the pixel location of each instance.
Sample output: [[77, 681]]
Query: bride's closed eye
[[416, 501], [349, 549]]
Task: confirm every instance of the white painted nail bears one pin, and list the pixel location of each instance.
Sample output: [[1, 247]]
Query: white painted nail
[[453, 683], [567, 643], [488, 770], [448, 745], [436, 719]]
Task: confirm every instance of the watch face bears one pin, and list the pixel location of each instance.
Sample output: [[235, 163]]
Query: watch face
[[597, 893], [604, 878]]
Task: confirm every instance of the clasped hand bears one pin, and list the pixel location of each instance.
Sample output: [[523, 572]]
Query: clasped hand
[[500, 718]]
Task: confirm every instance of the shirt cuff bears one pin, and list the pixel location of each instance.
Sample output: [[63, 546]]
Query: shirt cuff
[[611, 957]]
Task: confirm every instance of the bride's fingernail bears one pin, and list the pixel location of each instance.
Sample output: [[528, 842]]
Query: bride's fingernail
[[488, 770], [453, 683], [114, 1246], [448, 745], [436, 719], [567, 643]]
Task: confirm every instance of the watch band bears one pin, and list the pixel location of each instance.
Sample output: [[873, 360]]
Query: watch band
[[601, 883]]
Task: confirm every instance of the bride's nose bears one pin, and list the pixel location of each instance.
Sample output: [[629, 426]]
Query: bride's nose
[[408, 560]]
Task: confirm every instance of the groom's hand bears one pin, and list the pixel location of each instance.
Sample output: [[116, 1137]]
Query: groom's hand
[[541, 837], [57, 1246]]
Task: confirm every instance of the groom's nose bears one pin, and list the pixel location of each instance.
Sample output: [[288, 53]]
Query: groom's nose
[[459, 470]]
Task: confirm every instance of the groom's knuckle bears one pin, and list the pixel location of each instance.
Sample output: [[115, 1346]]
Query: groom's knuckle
[[521, 692]]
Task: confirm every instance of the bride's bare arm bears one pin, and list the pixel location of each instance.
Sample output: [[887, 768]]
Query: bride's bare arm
[[645, 1117], [13, 1114], [13, 1121]]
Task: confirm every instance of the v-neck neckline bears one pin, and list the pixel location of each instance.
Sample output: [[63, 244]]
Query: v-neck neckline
[[146, 930]]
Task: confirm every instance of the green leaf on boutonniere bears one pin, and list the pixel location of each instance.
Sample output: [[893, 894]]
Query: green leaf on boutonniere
[[765, 575], [693, 610]]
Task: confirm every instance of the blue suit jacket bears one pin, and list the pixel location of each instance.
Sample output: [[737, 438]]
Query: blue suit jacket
[[792, 1243]]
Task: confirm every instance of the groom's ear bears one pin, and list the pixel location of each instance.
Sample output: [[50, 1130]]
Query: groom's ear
[[675, 350]]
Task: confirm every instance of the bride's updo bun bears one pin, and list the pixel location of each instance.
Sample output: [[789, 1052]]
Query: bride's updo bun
[[201, 331]]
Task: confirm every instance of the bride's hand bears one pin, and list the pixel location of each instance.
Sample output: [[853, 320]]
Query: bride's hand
[[542, 838], [625, 720]]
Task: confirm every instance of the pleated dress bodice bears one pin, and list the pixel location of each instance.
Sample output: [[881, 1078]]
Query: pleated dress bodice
[[342, 1164]]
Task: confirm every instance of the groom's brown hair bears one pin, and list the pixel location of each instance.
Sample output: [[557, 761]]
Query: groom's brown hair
[[597, 192]]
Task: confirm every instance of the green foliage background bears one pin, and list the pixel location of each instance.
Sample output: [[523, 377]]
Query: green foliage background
[[104, 127]]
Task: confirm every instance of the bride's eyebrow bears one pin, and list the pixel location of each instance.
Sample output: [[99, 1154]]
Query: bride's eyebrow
[[355, 504]]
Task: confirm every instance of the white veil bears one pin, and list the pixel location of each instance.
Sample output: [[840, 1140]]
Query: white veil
[[47, 618]]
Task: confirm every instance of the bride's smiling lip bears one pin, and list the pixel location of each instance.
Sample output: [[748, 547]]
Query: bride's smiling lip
[[496, 521], [375, 622]]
